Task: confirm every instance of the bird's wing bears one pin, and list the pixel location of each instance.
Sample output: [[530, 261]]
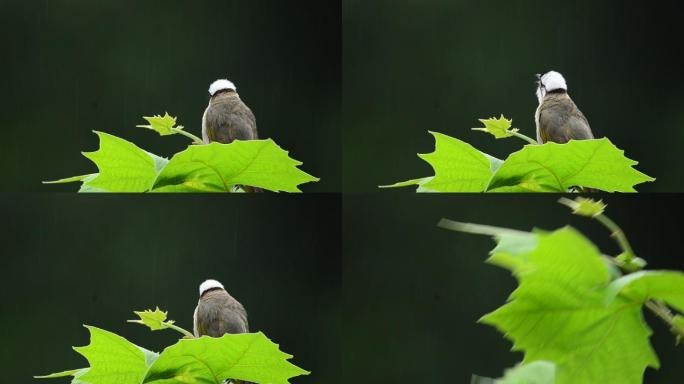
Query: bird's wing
[[232, 321], [247, 119], [233, 120], [560, 122], [579, 126]]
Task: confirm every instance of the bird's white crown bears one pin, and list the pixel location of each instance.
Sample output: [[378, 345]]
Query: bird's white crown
[[220, 85], [209, 284], [553, 80]]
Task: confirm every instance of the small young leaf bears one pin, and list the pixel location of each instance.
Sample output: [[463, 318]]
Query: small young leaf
[[155, 320], [582, 206], [500, 128], [161, 124], [247, 356], [218, 167]]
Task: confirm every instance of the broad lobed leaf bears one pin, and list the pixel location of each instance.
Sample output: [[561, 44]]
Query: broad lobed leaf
[[551, 167], [559, 312], [218, 167], [124, 167], [247, 356], [556, 167], [458, 166], [113, 359]]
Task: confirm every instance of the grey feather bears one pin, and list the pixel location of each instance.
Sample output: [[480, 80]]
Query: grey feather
[[218, 313], [227, 119], [559, 120]]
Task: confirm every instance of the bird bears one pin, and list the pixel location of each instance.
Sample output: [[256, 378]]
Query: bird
[[217, 312], [557, 118], [227, 117]]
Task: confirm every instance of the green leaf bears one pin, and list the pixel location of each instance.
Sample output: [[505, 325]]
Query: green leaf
[[60, 374], [559, 313], [536, 372], [123, 166], [161, 124], [69, 179], [638, 287], [582, 206], [500, 128], [87, 188], [556, 167], [155, 320], [550, 167], [418, 182], [248, 356], [512, 245], [458, 166], [76, 373], [113, 359], [218, 167]]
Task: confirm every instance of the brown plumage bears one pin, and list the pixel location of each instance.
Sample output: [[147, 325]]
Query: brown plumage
[[218, 313], [227, 118], [559, 120]]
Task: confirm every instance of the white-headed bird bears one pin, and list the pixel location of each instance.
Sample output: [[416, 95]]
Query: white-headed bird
[[557, 118], [217, 312], [227, 118]]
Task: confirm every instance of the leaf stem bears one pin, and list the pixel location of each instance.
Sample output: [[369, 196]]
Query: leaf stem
[[524, 137], [618, 234], [185, 133], [661, 310], [179, 329]]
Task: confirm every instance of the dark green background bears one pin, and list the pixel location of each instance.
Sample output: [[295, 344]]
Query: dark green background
[[71, 260], [70, 67], [412, 66], [412, 292]]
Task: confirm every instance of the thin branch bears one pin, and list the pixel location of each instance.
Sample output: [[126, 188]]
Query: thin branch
[[618, 234], [524, 137], [179, 329], [663, 312], [185, 133]]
